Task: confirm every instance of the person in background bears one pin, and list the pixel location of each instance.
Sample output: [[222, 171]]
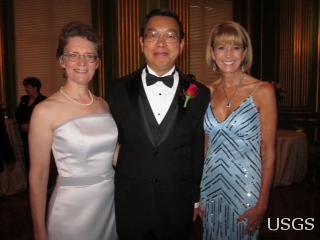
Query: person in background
[[240, 125], [7, 156], [159, 113], [79, 129], [192, 76], [32, 86]]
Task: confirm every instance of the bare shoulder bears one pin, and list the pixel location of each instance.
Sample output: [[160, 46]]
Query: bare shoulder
[[265, 91], [48, 106], [48, 112], [256, 84], [265, 87]]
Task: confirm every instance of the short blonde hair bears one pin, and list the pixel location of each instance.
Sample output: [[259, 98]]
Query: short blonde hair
[[230, 32]]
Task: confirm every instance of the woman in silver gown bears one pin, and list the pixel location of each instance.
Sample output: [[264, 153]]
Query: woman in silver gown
[[240, 126], [81, 133]]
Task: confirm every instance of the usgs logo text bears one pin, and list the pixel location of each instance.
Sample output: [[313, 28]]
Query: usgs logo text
[[296, 224]]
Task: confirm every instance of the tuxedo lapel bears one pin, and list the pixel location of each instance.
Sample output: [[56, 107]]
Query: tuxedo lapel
[[182, 87], [150, 124], [133, 88], [169, 120], [147, 116], [176, 110], [139, 101]]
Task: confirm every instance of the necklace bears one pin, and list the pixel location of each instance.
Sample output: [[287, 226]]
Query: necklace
[[82, 104], [225, 94]]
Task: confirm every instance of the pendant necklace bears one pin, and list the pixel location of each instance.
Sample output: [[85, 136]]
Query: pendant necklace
[[225, 94], [82, 104]]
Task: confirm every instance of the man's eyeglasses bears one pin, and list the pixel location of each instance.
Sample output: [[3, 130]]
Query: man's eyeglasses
[[74, 57], [169, 37]]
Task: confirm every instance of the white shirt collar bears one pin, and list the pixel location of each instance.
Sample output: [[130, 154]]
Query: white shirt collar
[[168, 73]]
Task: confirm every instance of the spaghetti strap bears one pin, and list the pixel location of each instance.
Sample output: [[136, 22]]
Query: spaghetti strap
[[256, 88]]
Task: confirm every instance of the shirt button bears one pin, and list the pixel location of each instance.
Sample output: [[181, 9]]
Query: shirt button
[[155, 180], [155, 152]]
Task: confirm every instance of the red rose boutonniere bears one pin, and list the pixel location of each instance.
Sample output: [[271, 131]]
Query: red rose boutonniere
[[191, 92]]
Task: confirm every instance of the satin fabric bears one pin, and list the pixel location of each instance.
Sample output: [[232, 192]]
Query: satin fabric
[[82, 204]]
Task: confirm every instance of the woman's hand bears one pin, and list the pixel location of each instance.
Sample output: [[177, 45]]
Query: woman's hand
[[255, 217]]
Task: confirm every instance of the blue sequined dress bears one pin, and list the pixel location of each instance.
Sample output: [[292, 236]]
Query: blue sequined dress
[[232, 171]]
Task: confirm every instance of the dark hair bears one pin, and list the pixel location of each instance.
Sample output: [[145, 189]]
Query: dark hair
[[163, 12], [192, 76], [77, 29], [32, 81]]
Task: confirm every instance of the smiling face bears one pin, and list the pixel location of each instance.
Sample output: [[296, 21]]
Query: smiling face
[[228, 56], [81, 71], [161, 55]]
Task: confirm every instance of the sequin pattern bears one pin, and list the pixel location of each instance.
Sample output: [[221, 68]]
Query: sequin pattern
[[232, 171]]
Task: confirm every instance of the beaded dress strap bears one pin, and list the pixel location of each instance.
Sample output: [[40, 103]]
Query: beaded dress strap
[[256, 88]]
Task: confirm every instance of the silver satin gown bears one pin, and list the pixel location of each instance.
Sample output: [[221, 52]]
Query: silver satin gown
[[82, 203]]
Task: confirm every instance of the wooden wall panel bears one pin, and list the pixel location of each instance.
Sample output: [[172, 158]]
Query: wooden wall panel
[[181, 7], [130, 15], [294, 56], [128, 39]]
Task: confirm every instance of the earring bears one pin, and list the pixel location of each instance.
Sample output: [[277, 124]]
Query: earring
[[214, 66], [242, 67]]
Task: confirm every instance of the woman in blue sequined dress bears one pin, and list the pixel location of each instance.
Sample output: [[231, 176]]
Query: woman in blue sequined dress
[[240, 125]]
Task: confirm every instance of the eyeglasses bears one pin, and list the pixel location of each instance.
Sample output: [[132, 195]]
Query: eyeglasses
[[169, 37], [74, 57]]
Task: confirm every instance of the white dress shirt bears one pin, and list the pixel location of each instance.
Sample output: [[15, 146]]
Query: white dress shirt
[[159, 95]]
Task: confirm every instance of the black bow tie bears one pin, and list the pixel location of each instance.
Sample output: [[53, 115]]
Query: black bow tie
[[152, 79]]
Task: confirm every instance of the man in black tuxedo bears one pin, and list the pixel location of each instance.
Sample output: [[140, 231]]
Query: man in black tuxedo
[[159, 166]]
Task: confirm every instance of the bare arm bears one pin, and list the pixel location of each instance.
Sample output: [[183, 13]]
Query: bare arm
[[115, 156], [206, 139], [269, 120], [268, 114], [40, 141]]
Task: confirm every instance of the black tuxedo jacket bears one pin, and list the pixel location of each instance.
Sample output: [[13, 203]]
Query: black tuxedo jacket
[[157, 181]]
